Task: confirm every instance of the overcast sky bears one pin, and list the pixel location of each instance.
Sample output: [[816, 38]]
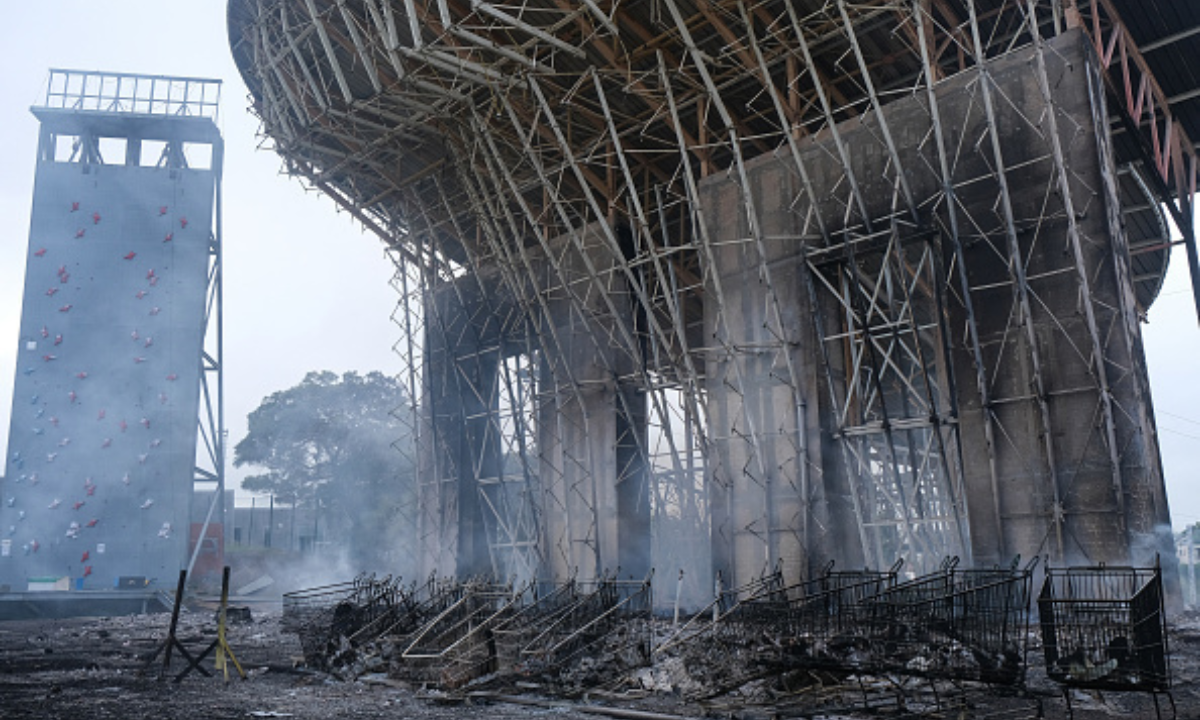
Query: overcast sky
[[305, 289]]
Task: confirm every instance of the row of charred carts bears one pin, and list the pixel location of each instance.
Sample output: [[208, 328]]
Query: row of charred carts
[[1101, 628]]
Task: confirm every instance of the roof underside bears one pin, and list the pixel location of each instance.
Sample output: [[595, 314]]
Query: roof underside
[[379, 102]]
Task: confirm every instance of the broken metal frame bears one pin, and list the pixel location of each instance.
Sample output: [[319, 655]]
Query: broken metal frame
[[458, 644], [356, 610], [1105, 628], [953, 624], [601, 607], [478, 139]]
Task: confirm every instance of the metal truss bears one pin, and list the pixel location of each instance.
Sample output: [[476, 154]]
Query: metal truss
[[583, 310]]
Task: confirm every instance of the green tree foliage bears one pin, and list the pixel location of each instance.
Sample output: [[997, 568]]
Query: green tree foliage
[[334, 444]]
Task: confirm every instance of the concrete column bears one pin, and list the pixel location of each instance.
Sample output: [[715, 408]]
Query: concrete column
[[768, 486], [592, 424], [463, 346]]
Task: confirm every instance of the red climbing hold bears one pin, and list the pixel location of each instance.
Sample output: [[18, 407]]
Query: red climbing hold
[[80, 233], [85, 557], [34, 545], [40, 252], [123, 426], [172, 377], [149, 342], [78, 504], [131, 255], [153, 281], [58, 339], [150, 273], [139, 360], [50, 291], [91, 490], [169, 237], [75, 206], [66, 308], [155, 310], [72, 396], [87, 570], [140, 294], [45, 332], [81, 375], [146, 423], [48, 357], [95, 218], [134, 335], [162, 210], [183, 222], [92, 522]]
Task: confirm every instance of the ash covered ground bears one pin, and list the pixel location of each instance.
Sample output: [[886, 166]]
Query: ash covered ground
[[92, 668]]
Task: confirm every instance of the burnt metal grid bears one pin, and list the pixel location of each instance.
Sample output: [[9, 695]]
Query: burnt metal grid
[[949, 624], [1105, 628], [547, 608], [724, 601], [601, 608], [447, 632], [497, 137], [768, 627], [953, 624], [322, 616], [458, 644]]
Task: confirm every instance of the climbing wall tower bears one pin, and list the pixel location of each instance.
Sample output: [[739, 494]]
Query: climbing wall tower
[[118, 370]]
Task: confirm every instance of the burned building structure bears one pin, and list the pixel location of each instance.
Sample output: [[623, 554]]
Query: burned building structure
[[728, 285]]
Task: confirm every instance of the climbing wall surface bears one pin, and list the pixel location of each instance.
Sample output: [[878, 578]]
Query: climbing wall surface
[[103, 438]]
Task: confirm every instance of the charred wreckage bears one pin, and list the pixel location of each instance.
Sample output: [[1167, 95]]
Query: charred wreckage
[[740, 287]]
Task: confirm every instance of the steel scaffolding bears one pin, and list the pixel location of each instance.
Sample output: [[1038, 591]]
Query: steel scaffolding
[[780, 280]]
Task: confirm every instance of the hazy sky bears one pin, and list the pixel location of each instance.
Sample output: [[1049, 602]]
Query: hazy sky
[[305, 289]]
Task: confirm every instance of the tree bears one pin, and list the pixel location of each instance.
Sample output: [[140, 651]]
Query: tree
[[334, 444]]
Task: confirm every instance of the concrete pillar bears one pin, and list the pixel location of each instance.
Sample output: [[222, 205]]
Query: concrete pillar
[[463, 346], [592, 420], [773, 501], [1104, 484]]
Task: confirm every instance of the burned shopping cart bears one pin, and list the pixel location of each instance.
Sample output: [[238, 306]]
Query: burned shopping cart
[[1104, 628]]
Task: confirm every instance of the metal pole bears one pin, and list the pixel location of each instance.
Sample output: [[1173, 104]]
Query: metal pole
[[1192, 562]]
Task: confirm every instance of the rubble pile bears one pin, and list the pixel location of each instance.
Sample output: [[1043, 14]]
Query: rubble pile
[[449, 633], [767, 640], [617, 657]]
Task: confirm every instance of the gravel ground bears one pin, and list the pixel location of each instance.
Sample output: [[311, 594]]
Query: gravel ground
[[90, 668]]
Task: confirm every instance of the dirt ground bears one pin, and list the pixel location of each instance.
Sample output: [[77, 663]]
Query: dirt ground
[[92, 668]]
